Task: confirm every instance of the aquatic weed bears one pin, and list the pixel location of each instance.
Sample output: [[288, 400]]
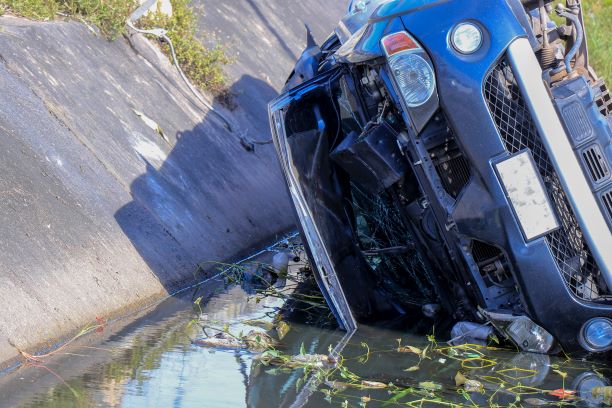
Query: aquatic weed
[[495, 378]]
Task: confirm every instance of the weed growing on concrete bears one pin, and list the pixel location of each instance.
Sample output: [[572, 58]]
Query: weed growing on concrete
[[34, 9], [108, 15], [202, 65]]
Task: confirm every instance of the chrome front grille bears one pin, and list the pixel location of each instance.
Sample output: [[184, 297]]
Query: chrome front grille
[[517, 129]]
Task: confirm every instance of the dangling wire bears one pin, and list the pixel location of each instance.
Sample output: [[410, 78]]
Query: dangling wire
[[163, 34]]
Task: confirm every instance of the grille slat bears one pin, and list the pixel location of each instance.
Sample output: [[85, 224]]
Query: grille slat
[[516, 127], [607, 200], [596, 163]]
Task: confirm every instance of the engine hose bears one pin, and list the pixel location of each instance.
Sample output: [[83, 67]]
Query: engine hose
[[579, 36]]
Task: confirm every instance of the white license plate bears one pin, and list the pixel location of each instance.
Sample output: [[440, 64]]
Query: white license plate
[[525, 190]]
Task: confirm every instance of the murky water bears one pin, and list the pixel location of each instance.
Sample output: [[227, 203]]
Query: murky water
[[156, 362]]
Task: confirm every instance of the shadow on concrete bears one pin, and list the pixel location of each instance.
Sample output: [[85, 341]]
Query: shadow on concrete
[[270, 27], [208, 200], [251, 96]]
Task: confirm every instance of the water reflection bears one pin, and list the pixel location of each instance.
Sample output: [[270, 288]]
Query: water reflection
[[155, 363]]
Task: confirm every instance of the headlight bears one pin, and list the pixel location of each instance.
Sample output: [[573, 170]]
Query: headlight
[[524, 332], [529, 336], [526, 193], [597, 334], [466, 38], [414, 76]]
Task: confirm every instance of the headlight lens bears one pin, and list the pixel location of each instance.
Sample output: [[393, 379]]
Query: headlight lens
[[597, 334], [529, 336], [414, 77], [466, 38]]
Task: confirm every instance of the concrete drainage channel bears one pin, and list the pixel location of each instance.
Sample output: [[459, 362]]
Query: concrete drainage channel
[[115, 185], [123, 198]]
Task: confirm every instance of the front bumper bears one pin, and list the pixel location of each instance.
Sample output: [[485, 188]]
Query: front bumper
[[546, 269], [482, 211], [577, 190]]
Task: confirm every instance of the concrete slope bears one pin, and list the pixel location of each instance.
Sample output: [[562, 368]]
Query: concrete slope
[[100, 212], [265, 38]]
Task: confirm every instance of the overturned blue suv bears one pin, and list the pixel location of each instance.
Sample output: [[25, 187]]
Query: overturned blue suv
[[453, 159]]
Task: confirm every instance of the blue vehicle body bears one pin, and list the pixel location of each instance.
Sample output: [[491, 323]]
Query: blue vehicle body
[[480, 211]]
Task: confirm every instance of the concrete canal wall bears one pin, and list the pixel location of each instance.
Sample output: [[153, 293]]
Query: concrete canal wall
[[100, 211]]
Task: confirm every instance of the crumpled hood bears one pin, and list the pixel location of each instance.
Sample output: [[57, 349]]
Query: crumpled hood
[[359, 12]]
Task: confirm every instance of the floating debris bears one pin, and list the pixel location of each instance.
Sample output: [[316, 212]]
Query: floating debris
[[221, 340], [373, 384], [562, 393], [282, 328], [537, 402], [468, 384], [262, 324], [484, 376], [253, 341], [410, 349], [430, 386], [311, 361], [603, 392], [258, 341]]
